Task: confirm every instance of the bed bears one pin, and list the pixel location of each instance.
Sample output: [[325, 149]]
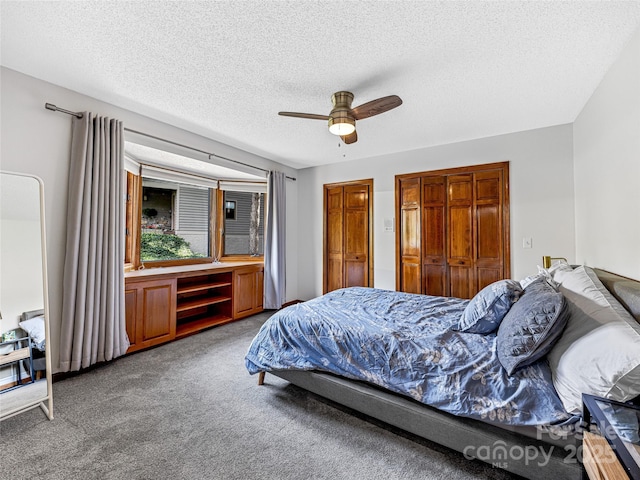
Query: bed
[[498, 378], [32, 322]]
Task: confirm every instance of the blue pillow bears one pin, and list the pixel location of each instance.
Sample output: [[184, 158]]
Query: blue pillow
[[486, 310], [532, 326]]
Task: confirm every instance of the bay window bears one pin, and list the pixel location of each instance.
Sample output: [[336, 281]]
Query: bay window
[[176, 218]]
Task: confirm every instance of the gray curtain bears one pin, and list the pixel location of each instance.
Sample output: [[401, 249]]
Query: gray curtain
[[274, 242], [93, 319]]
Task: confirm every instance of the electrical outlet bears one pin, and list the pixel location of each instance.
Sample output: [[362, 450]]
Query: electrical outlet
[[527, 242]]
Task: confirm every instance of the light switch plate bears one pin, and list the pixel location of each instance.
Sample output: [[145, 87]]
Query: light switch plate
[[389, 224], [527, 242]]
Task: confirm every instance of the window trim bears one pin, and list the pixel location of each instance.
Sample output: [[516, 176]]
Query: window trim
[[132, 231], [220, 238]]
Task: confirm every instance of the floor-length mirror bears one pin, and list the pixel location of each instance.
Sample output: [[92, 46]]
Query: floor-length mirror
[[25, 362]]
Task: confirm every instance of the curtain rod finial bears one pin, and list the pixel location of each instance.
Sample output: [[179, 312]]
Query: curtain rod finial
[[54, 108]]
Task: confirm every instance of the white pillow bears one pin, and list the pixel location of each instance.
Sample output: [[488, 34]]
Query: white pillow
[[542, 273], [599, 351], [35, 328], [558, 268]]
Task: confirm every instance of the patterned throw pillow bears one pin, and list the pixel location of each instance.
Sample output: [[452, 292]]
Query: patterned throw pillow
[[486, 310], [532, 326]]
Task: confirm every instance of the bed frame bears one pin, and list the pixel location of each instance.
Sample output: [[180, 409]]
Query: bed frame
[[523, 451]]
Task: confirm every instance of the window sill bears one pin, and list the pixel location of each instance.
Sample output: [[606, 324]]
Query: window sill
[[243, 258]]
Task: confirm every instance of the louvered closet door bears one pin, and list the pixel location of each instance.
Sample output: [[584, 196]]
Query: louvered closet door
[[409, 256], [434, 254]]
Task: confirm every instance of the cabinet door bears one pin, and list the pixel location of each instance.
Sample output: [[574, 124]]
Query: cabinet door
[[244, 293], [248, 291], [158, 312], [434, 255], [151, 312], [410, 278]]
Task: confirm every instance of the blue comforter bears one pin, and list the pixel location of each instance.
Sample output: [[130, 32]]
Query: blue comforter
[[404, 343]]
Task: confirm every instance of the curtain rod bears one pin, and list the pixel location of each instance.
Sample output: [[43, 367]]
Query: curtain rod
[[54, 108]]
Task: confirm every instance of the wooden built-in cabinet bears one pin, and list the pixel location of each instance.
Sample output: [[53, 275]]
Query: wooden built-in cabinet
[[348, 239], [249, 285], [150, 308], [453, 234], [164, 304]]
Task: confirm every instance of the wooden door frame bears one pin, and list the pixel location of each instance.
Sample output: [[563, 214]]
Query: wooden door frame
[[506, 216], [369, 183]]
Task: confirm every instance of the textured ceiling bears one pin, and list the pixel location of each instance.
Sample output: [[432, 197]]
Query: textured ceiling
[[224, 69]]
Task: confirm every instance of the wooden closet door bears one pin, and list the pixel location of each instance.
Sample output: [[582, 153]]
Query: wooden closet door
[[408, 254], [347, 236], [334, 253], [488, 232], [460, 235], [356, 235], [453, 230], [434, 255]]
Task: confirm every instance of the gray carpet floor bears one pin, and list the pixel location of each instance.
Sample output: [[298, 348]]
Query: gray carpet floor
[[190, 410]]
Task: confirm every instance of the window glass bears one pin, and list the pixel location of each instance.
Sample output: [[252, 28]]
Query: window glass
[[243, 223], [174, 222]]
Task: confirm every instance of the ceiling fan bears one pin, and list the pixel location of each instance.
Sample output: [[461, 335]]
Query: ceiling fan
[[342, 118]]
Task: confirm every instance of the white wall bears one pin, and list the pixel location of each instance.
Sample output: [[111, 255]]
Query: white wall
[[607, 169], [541, 192], [37, 141]]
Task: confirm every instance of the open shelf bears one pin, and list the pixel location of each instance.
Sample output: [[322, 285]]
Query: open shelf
[[15, 355], [198, 302], [201, 287], [203, 301], [200, 322]]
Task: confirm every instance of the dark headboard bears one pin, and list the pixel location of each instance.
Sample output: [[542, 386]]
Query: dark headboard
[[626, 290], [31, 314]]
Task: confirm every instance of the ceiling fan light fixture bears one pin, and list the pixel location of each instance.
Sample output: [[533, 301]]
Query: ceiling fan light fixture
[[342, 118], [342, 125]]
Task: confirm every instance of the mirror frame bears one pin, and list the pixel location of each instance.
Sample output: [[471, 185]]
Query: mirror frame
[[35, 400]]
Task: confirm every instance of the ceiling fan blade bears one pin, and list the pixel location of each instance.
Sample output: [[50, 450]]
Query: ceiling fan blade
[[351, 138], [311, 116], [376, 107]]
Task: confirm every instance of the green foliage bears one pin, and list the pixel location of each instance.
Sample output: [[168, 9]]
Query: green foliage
[[154, 246]]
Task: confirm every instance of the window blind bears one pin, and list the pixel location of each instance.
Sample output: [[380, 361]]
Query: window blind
[[257, 187], [156, 173]]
